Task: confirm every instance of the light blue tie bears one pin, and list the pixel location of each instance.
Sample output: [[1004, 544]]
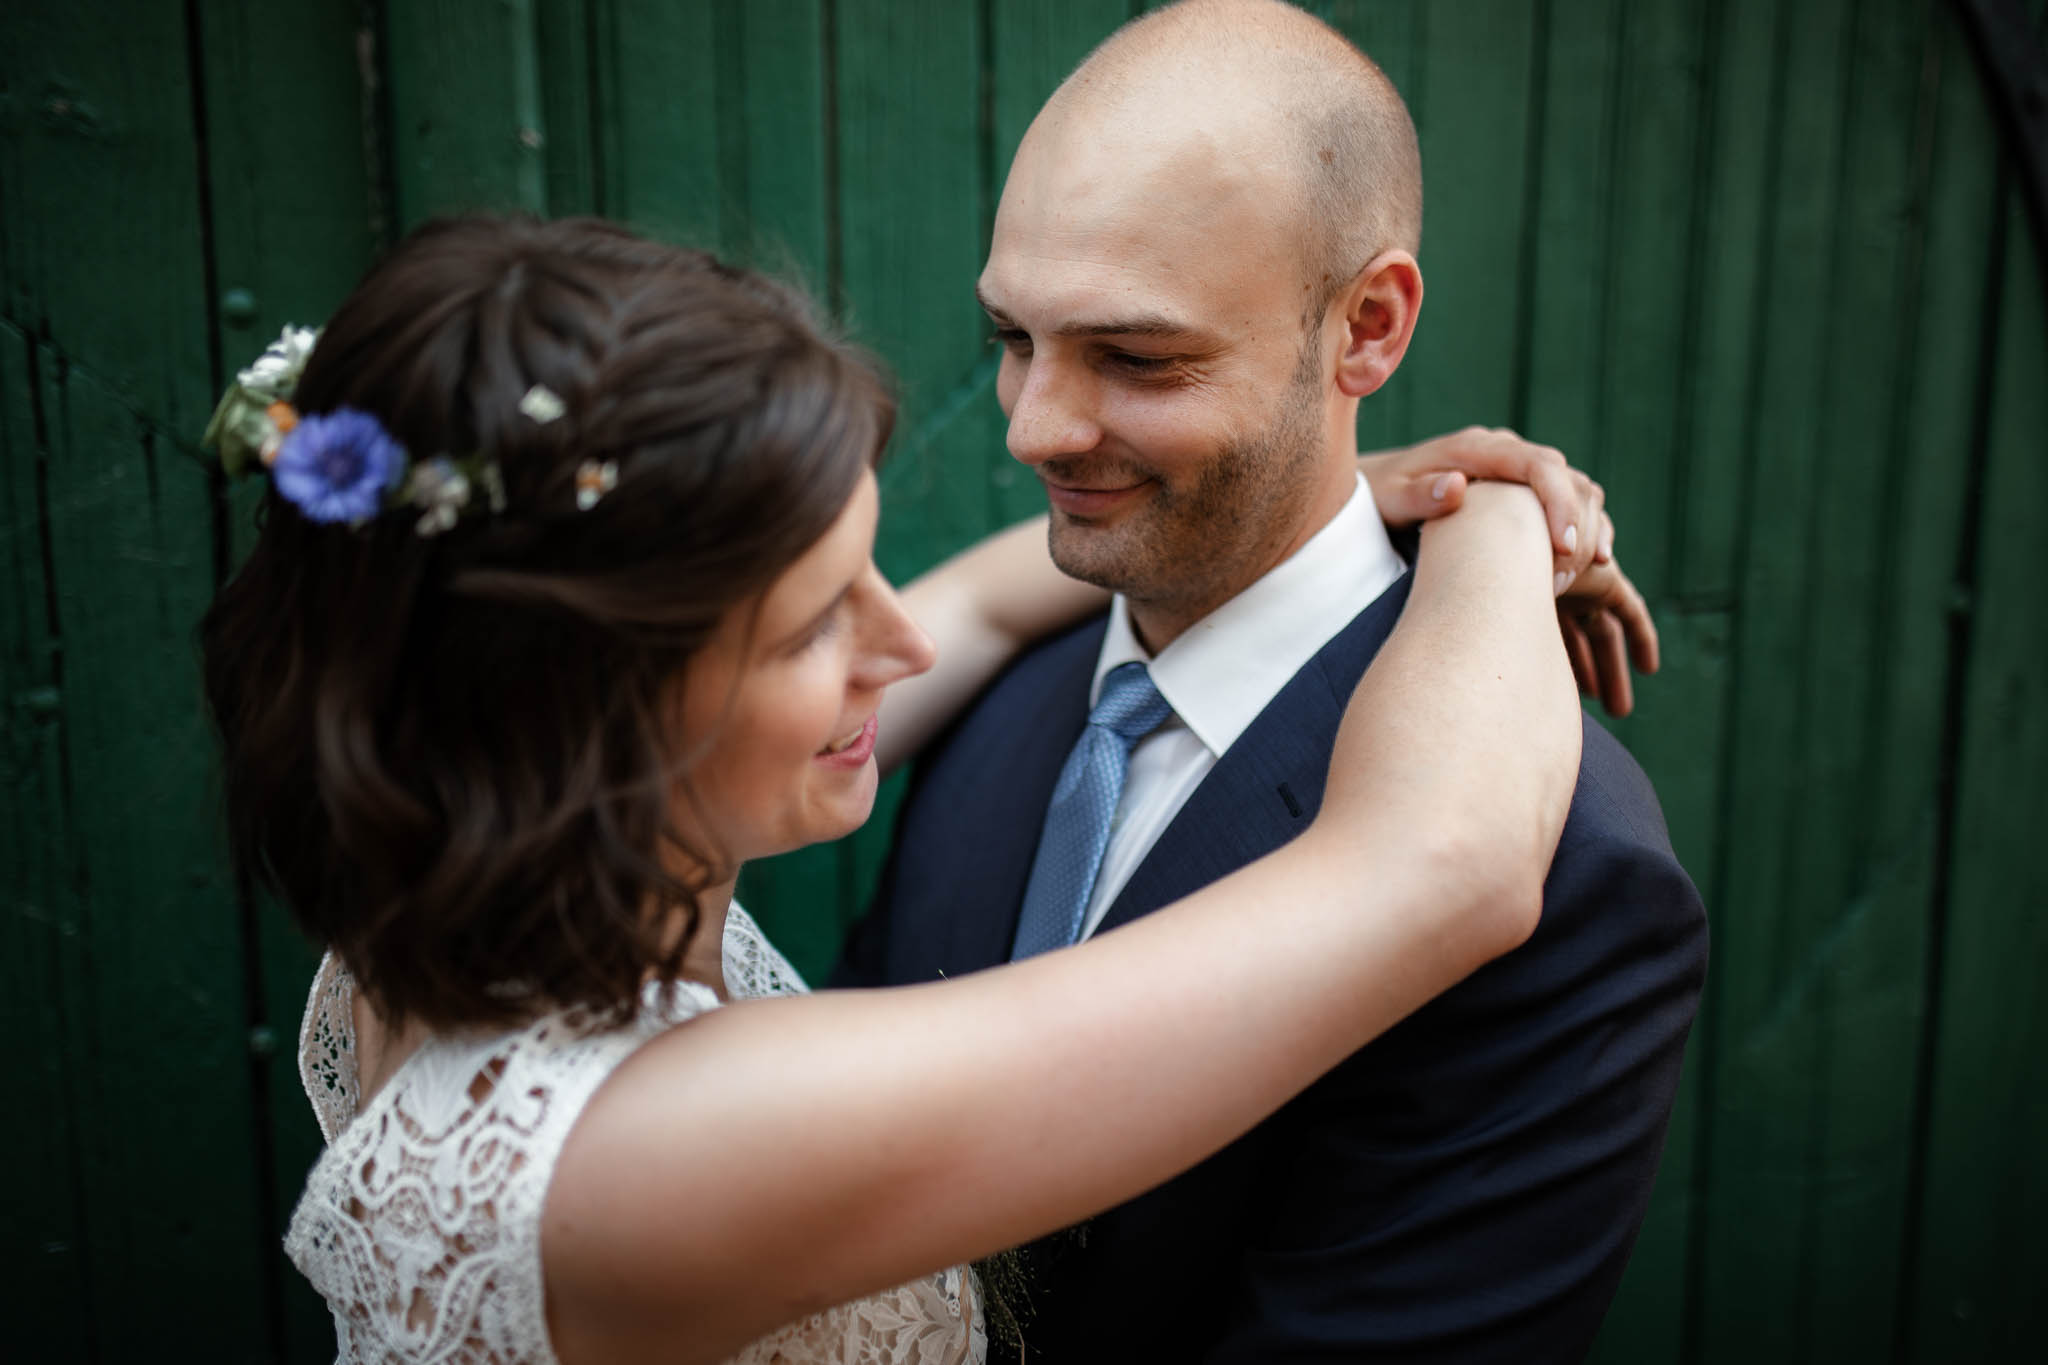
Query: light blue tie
[[1083, 802]]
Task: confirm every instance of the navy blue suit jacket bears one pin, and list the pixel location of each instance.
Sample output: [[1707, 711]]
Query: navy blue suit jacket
[[1467, 1187]]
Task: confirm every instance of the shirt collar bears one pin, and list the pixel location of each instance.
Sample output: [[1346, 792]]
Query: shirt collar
[[1225, 669]]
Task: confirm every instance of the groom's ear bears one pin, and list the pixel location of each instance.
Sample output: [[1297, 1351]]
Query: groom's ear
[[1379, 309]]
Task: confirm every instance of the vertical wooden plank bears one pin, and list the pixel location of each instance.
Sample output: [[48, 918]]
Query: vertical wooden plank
[[563, 31], [658, 80], [1472, 105], [780, 116], [289, 172], [1754, 1230], [909, 155], [1871, 741], [42, 949], [1971, 1292], [101, 177], [1651, 211], [296, 212], [1734, 203], [1978, 1296], [175, 1228], [1566, 345], [111, 268], [1819, 977], [466, 110], [911, 166], [1682, 730]]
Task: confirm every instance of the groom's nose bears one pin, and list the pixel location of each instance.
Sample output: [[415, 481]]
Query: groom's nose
[[1054, 412]]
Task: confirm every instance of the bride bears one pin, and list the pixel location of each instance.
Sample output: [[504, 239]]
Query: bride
[[563, 607]]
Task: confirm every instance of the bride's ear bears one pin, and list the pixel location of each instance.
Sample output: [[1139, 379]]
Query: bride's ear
[[1379, 312]]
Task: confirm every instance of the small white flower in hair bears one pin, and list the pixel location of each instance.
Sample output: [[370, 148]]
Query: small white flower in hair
[[593, 481], [542, 404]]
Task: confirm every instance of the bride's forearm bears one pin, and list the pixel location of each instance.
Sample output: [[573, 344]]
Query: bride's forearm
[[1477, 676], [981, 608]]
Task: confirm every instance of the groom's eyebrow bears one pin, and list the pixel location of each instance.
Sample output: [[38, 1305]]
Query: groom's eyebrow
[[1157, 325]]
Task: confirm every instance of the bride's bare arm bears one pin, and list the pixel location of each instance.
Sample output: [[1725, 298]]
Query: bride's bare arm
[[778, 1156], [980, 607]]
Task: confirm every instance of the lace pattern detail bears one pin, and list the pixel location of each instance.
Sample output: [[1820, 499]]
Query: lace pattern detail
[[420, 1224], [327, 1048], [754, 967]]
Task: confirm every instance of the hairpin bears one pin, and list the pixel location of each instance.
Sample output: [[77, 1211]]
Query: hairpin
[[343, 466], [594, 479]]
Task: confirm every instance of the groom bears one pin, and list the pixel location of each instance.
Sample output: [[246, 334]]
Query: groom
[[1203, 259]]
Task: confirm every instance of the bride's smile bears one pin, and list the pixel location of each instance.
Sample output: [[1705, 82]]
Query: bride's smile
[[779, 708]]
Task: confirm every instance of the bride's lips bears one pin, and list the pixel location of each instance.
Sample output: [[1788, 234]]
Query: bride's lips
[[856, 753], [1090, 502]]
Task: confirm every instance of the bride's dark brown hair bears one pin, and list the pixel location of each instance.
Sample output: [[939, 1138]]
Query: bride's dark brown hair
[[452, 757]]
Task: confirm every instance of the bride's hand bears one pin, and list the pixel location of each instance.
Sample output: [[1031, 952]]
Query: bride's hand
[[1607, 626], [1605, 621], [1428, 479]]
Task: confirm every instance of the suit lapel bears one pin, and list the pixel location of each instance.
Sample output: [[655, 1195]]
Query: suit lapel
[[1269, 785]]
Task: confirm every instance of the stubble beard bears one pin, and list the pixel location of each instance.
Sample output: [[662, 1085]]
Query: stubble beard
[[1193, 547]]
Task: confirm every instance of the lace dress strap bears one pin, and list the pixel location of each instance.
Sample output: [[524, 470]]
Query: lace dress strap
[[754, 967], [420, 1223], [327, 1048]]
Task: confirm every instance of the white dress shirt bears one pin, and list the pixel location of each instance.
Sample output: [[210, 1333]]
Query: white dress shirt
[[1223, 671]]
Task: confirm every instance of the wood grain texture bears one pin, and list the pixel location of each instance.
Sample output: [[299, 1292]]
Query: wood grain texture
[[1471, 101], [1754, 264], [1980, 1255], [909, 121], [107, 279], [43, 943], [298, 207], [463, 86]]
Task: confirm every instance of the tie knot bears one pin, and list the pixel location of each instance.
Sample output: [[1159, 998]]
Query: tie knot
[[1131, 706]]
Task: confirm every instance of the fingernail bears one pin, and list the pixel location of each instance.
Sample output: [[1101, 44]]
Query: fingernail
[[1560, 583], [1571, 539], [1441, 486], [1607, 546]]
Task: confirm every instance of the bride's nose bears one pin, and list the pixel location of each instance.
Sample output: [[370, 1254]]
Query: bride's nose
[[893, 646]]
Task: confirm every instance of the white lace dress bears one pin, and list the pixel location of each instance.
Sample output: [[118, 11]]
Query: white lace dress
[[420, 1223]]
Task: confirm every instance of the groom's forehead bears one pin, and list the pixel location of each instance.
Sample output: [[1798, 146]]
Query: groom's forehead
[[1196, 269]]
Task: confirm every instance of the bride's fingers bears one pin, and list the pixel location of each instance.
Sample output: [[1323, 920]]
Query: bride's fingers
[[1421, 496], [1579, 650], [1610, 655], [1632, 613]]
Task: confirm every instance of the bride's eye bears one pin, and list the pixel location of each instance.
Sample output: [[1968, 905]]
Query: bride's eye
[[827, 627]]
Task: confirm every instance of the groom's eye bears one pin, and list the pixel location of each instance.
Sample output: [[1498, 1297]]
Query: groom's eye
[[1139, 366], [1015, 340]]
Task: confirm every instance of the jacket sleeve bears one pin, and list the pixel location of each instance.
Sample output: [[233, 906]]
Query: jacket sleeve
[[1467, 1189]]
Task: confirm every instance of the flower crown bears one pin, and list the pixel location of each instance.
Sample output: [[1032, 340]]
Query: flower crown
[[343, 466]]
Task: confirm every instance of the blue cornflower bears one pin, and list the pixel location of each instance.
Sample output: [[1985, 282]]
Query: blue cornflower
[[336, 466]]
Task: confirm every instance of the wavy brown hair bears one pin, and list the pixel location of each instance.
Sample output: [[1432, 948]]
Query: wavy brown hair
[[452, 757]]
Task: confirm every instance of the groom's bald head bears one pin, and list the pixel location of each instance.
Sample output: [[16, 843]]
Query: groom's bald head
[[1277, 90]]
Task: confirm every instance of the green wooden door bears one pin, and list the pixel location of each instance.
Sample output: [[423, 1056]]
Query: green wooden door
[[1759, 265]]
